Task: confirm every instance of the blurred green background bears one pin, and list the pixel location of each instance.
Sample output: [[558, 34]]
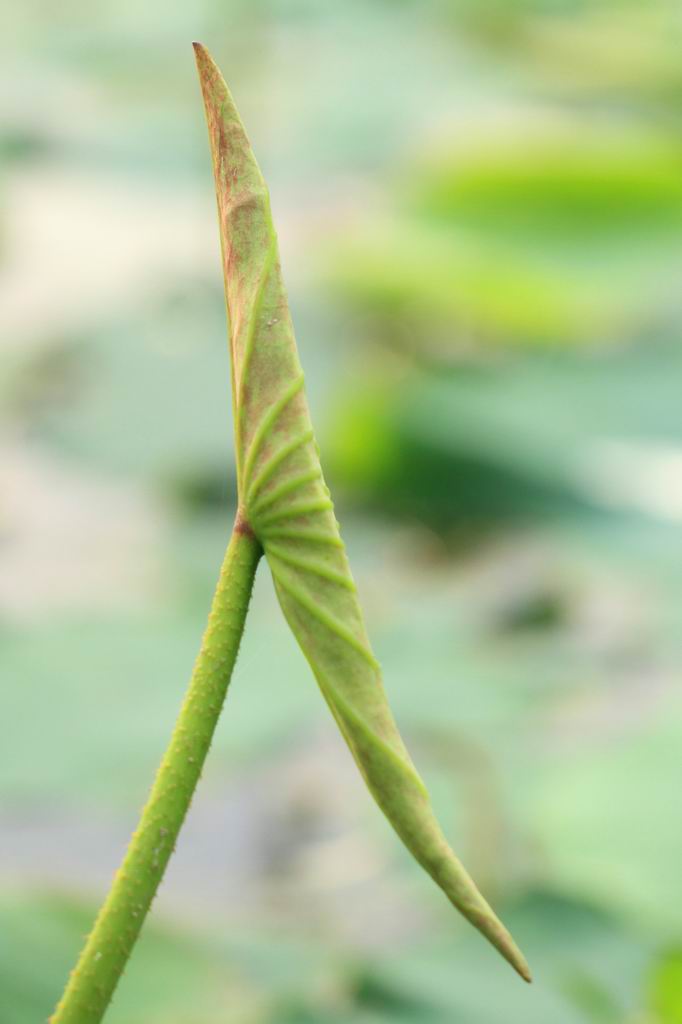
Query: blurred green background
[[479, 205]]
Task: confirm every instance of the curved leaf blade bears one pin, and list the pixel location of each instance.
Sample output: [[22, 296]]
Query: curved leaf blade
[[286, 503]]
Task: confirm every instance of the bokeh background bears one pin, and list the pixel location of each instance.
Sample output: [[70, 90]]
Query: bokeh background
[[479, 205]]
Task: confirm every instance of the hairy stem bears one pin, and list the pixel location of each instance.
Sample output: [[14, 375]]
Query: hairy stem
[[92, 982]]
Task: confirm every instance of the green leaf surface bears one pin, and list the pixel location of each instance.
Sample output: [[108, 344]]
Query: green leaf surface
[[286, 503]]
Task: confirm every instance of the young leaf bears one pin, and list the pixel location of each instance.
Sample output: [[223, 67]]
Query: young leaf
[[285, 503]]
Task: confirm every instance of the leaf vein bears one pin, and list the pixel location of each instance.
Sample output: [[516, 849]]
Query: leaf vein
[[266, 423], [314, 536], [286, 487], [327, 620], [253, 323], [275, 461], [304, 509], [318, 568]]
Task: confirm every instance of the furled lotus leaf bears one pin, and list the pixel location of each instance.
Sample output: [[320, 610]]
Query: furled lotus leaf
[[285, 502]]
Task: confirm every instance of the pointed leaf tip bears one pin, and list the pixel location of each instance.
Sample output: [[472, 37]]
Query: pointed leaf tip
[[520, 965], [206, 66]]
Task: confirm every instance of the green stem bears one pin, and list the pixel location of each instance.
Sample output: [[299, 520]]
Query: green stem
[[92, 983]]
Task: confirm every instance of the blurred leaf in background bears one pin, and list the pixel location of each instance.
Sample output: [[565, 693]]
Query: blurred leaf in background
[[555, 235]]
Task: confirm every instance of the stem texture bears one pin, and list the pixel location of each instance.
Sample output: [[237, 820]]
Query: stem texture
[[94, 979]]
